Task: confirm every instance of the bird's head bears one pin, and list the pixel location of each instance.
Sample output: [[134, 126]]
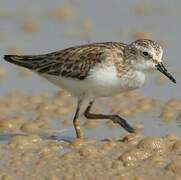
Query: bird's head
[[146, 55]]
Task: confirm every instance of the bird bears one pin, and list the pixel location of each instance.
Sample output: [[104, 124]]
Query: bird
[[96, 70]]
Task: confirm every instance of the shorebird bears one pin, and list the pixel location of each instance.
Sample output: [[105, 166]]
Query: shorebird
[[97, 70]]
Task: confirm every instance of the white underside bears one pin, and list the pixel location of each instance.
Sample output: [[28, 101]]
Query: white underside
[[100, 83]]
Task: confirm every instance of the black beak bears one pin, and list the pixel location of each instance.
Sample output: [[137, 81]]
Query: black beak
[[160, 67]]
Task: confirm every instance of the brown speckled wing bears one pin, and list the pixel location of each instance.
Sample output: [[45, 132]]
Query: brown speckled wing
[[73, 62]]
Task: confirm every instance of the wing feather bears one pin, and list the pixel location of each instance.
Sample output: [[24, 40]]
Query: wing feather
[[73, 62]]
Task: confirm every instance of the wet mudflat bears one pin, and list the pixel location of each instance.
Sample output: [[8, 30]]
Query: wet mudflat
[[129, 157], [37, 139]]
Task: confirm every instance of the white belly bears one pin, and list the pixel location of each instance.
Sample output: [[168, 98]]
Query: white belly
[[101, 83], [87, 87]]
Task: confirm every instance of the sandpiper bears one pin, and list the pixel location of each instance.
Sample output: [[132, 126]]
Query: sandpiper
[[97, 70]]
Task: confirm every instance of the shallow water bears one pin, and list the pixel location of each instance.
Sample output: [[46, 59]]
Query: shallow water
[[42, 109], [113, 21]]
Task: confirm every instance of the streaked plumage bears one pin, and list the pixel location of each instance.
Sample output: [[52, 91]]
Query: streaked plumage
[[74, 62], [97, 70]]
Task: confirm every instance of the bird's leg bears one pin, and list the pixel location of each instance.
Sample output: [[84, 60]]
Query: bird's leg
[[115, 118], [76, 122]]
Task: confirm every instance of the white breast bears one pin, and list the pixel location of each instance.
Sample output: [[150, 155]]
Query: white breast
[[101, 82], [133, 79], [105, 81]]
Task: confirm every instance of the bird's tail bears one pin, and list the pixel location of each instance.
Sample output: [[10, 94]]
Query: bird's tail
[[30, 62]]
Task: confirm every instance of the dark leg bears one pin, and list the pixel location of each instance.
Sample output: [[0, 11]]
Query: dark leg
[[115, 118], [76, 122]]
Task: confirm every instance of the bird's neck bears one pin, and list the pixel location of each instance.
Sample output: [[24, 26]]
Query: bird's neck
[[133, 79]]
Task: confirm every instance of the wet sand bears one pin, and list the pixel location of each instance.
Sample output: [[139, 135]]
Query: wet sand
[[37, 139], [32, 148], [130, 157]]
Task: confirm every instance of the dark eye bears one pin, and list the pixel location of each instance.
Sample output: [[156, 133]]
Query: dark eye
[[145, 53]]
